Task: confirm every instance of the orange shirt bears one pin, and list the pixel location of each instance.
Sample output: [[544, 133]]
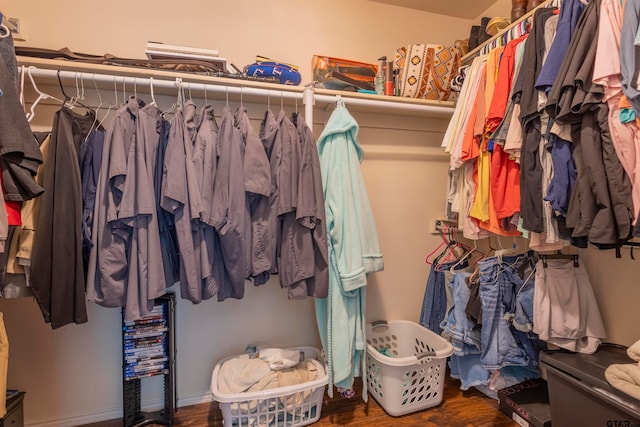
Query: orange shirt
[[503, 85]]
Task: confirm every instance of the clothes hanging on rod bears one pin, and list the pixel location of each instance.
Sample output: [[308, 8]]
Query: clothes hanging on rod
[[488, 319], [566, 312], [556, 140], [58, 277], [139, 244]]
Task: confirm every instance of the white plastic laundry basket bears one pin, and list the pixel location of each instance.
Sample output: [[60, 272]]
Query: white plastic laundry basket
[[411, 376], [290, 406]]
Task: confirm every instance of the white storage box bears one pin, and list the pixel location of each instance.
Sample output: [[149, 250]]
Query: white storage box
[[410, 377], [290, 406]]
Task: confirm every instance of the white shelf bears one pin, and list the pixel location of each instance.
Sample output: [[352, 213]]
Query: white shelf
[[166, 82]]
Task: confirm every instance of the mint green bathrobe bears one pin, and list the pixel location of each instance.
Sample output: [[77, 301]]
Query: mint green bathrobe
[[354, 251]]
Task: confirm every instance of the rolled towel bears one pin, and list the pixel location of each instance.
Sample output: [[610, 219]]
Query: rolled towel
[[625, 377], [634, 351]]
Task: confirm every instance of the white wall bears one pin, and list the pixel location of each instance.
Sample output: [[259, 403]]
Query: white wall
[[73, 375]]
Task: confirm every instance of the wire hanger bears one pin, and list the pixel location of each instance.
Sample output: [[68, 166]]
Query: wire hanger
[[115, 102], [41, 95]]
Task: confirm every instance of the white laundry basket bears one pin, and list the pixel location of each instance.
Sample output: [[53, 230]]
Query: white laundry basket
[[411, 378], [291, 406]]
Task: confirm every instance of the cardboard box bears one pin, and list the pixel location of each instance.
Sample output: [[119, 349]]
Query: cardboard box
[[527, 403]]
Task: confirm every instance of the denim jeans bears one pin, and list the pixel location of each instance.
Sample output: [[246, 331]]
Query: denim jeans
[[434, 304], [502, 344], [523, 316], [463, 334], [468, 370]]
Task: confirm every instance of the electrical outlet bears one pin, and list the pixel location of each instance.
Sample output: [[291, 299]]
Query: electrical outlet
[[437, 225]]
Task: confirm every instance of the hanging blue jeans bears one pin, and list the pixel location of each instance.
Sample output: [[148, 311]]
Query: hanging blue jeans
[[434, 304], [463, 334], [502, 344]]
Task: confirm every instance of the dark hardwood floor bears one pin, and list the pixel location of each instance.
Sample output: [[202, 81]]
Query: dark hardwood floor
[[458, 409]]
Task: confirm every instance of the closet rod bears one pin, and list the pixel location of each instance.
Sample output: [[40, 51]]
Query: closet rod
[[397, 105], [162, 83], [306, 96]]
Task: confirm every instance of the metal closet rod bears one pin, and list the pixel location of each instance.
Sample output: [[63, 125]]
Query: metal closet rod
[[176, 83], [162, 83], [435, 110]]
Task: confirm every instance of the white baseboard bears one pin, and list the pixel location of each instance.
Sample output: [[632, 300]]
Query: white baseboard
[[114, 413]]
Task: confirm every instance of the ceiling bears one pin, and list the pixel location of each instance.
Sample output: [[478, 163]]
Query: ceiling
[[459, 8]]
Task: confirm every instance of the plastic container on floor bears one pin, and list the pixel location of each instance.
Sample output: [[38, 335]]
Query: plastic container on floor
[[406, 366], [290, 406]]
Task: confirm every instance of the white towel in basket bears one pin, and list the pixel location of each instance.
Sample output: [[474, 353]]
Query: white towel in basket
[[243, 374], [279, 358]]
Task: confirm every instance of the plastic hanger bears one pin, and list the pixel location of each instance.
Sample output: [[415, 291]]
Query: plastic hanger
[[41, 95], [67, 99], [153, 96], [443, 243], [512, 251], [468, 255], [112, 106], [23, 71], [559, 255], [450, 254], [96, 122], [179, 99], [135, 89], [446, 255]]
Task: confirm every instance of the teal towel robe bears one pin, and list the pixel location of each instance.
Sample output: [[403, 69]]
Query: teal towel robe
[[354, 251]]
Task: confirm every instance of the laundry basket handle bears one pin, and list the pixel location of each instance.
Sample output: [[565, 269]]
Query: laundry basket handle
[[429, 353], [379, 324]]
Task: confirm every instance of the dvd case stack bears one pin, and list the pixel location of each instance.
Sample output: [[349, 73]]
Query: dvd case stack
[[148, 349], [145, 345]]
